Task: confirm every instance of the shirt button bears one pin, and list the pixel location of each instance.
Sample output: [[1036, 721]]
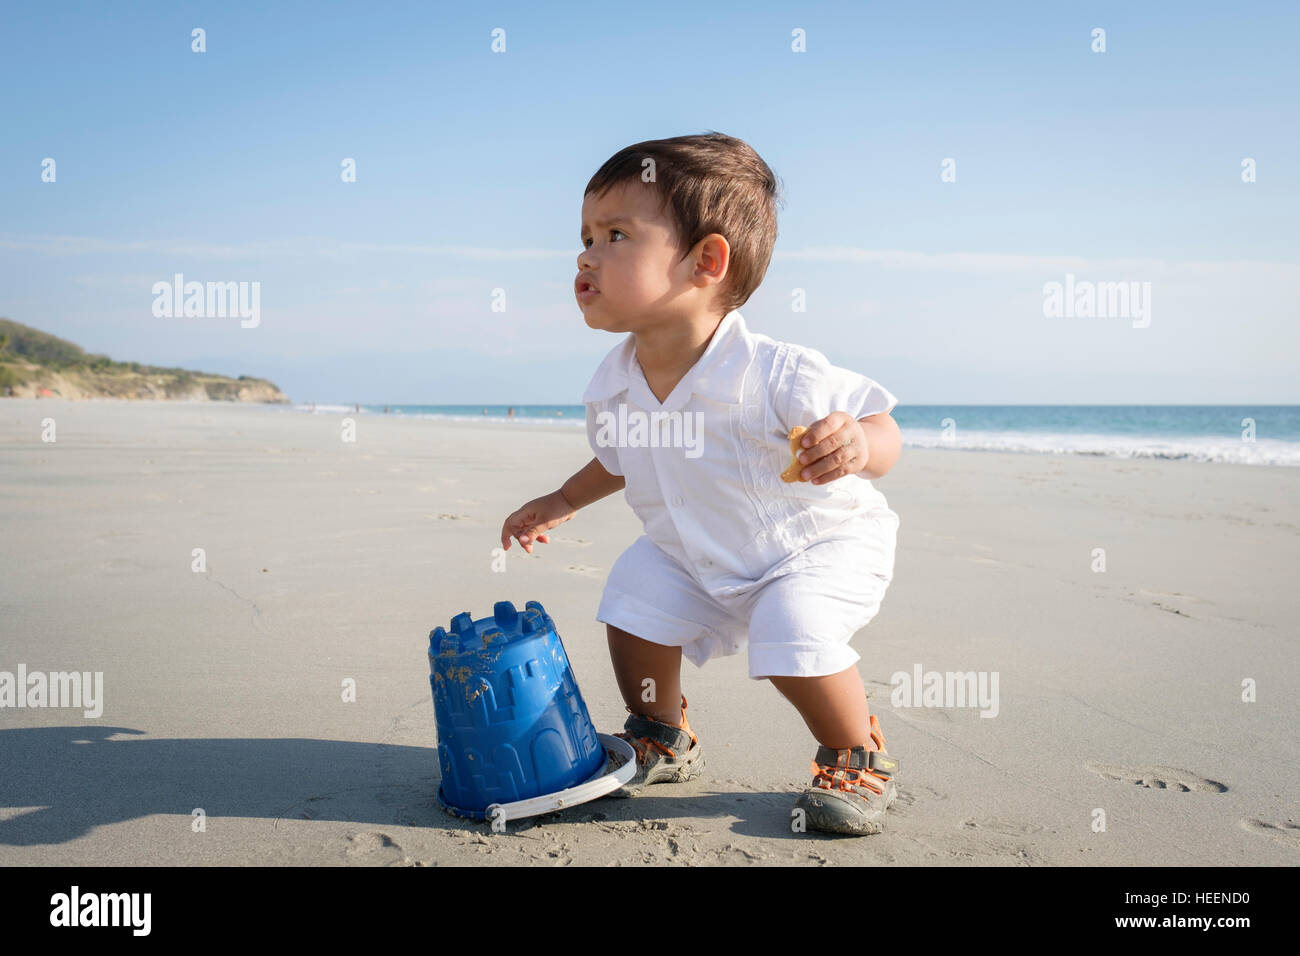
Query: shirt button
[[679, 501]]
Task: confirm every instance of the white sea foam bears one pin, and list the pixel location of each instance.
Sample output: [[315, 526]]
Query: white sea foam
[[1209, 448], [324, 409]]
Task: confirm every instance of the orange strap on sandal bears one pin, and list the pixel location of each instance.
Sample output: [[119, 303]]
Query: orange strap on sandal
[[859, 766]]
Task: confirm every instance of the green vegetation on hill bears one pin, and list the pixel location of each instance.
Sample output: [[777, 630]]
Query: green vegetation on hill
[[28, 356]]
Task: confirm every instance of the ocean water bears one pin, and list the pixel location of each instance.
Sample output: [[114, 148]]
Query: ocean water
[[1235, 434]]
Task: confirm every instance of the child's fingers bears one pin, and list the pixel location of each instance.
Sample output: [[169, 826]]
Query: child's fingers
[[526, 537], [523, 525], [827, 469], [848, 457], [516, 523], [531, 536], [831, 452]]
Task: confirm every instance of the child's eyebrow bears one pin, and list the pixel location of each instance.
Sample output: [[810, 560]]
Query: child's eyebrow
[[613, 220]]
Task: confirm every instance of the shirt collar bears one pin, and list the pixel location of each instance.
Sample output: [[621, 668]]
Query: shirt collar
[[718, 374]]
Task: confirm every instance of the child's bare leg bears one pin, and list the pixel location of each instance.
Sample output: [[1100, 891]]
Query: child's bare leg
[[834, 707], [634, 660]]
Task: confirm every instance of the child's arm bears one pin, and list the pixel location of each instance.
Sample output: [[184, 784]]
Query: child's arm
[[591, 484], [540, 515], [884, 444]]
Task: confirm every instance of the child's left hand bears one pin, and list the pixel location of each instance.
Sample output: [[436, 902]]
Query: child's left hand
[[834, 446]]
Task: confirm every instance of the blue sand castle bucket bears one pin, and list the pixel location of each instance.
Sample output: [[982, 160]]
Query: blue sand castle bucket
[[514, 735]]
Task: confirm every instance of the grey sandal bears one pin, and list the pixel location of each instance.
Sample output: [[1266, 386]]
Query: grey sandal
[[664, 753], [851, 789]]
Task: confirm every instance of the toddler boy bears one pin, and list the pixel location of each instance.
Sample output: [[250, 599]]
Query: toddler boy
[[691, 415]]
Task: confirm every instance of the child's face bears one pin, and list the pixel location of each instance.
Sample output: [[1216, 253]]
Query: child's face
[[631, 257]]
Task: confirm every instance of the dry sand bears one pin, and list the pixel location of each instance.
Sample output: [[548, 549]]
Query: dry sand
[[1119, 691]]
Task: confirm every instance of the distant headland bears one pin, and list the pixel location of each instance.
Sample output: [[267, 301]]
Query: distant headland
[[35, 364]]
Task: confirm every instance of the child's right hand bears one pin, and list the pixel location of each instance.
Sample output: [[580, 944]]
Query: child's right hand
[[537, 516]]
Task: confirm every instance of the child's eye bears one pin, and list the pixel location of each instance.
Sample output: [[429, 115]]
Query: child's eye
[[611, 232]]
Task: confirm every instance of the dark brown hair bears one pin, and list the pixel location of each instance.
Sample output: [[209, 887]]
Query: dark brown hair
[[708, 183]]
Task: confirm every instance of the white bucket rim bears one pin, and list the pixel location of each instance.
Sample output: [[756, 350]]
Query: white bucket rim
[[598, 785]]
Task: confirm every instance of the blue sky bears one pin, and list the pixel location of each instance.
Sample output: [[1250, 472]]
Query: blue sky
[[225, 166]]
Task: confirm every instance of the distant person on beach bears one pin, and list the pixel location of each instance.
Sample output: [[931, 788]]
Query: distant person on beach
[[733, 557], [511, 413]]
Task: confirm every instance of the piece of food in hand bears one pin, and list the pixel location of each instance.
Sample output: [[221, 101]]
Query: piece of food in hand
[[792, 473]]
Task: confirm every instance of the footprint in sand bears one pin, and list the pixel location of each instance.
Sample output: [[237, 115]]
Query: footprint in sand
[[909, 792], [1287, 834], [1171, 601], [732, 855], [584, 570], [373, 849], [923, 714], [1173, 595], [1158, 778], [1005, 827]]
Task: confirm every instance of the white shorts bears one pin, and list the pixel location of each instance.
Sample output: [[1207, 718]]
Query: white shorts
[[796, 624]]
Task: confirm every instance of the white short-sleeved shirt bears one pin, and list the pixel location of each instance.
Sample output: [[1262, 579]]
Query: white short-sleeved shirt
[[703, 474]]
